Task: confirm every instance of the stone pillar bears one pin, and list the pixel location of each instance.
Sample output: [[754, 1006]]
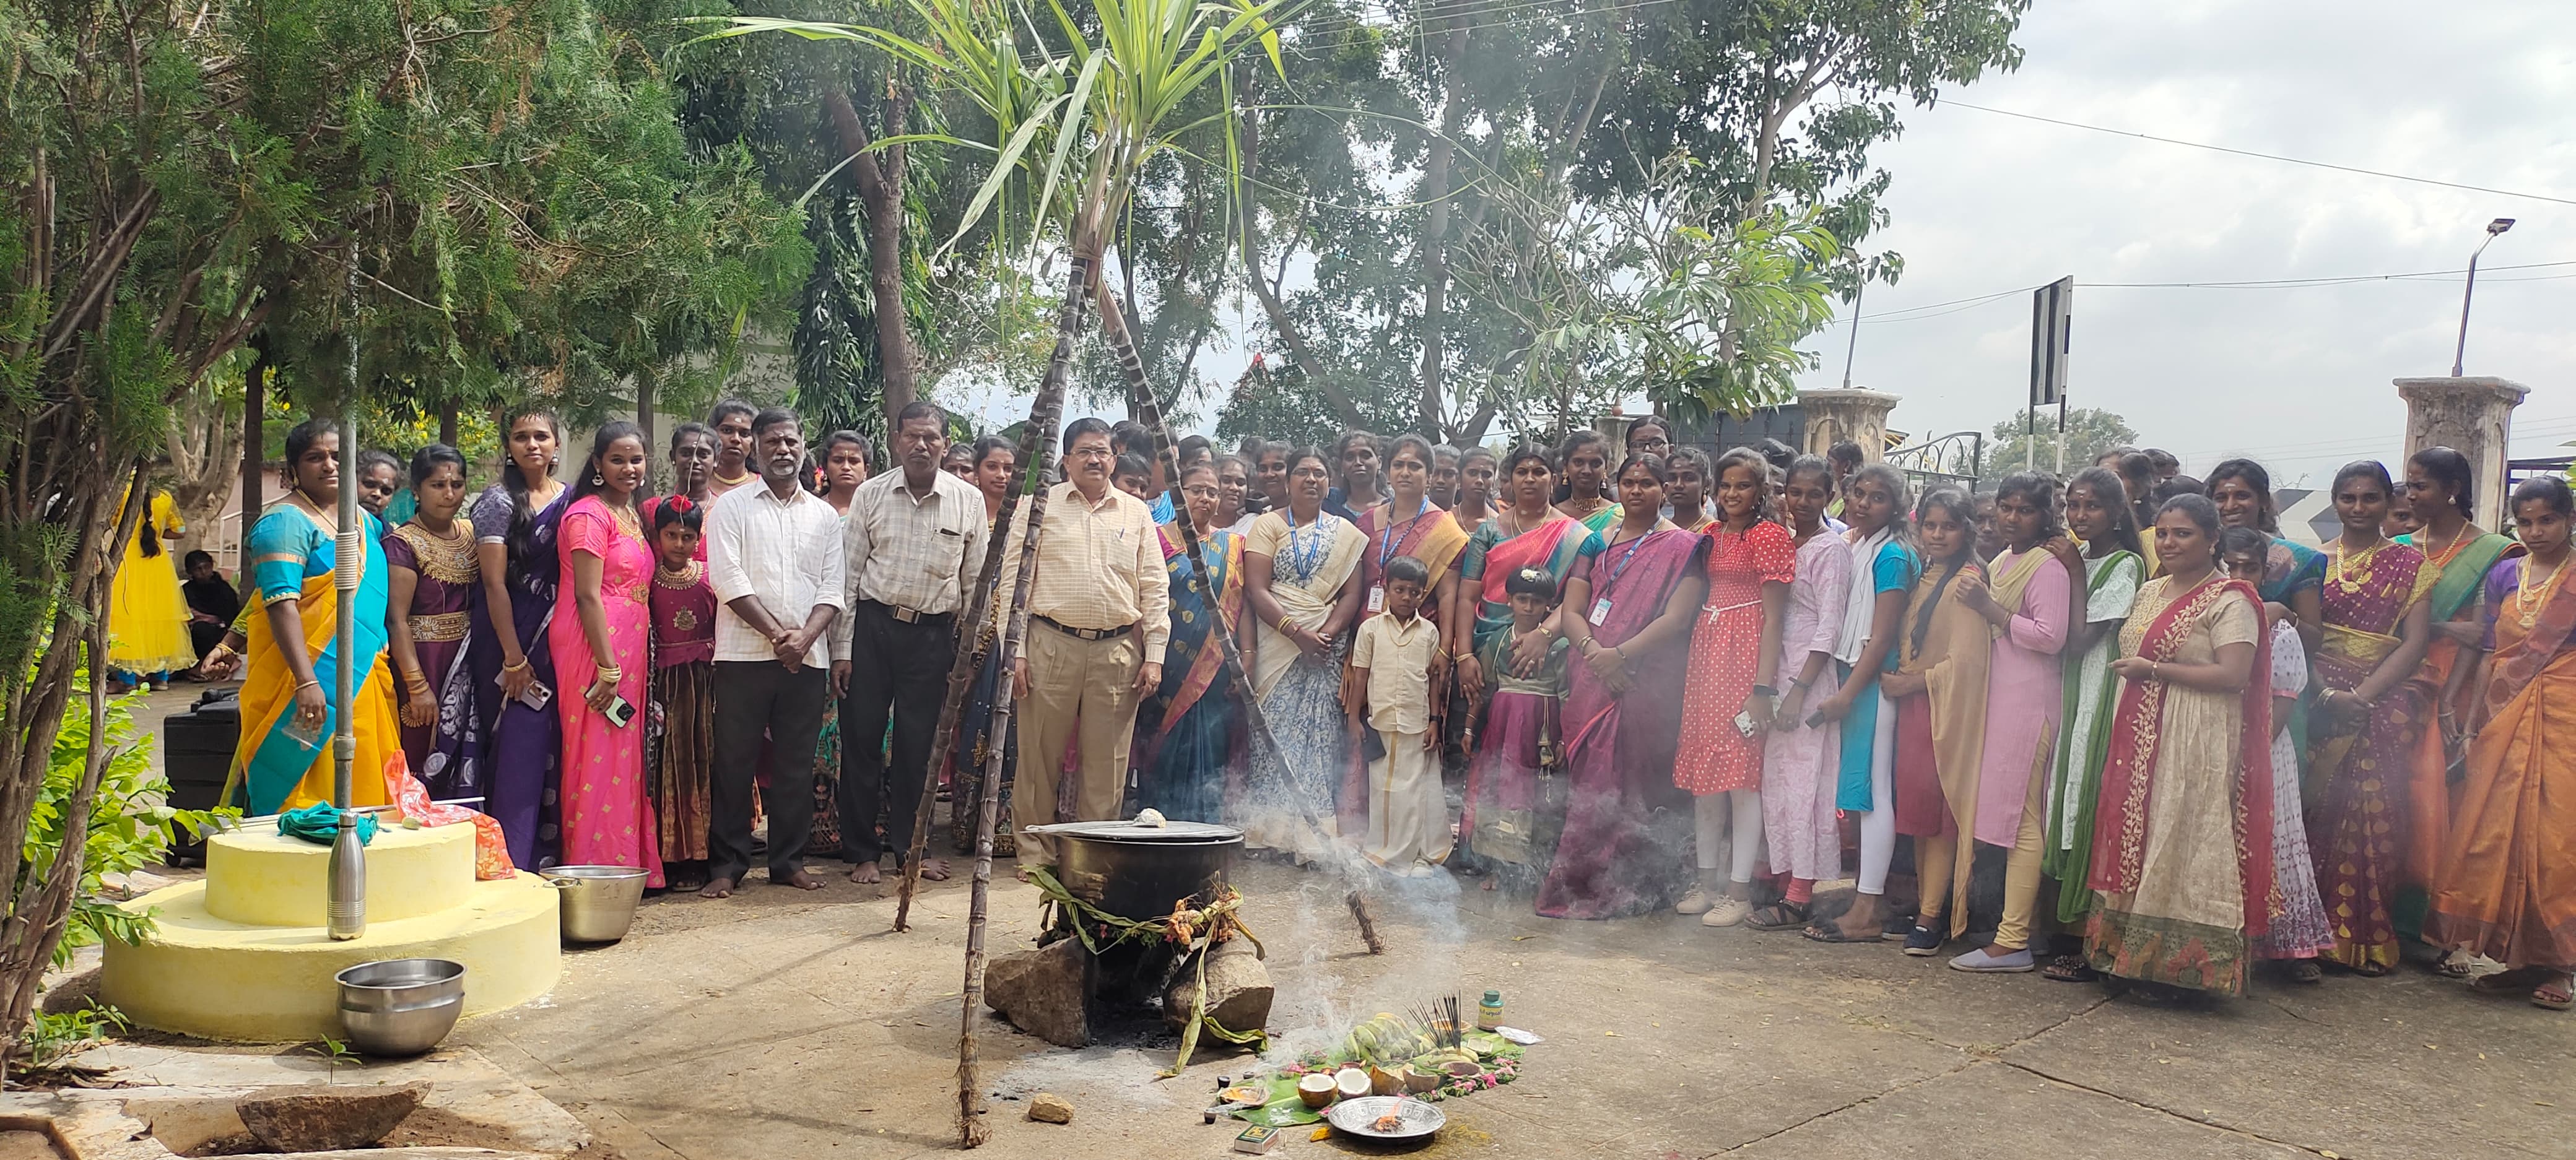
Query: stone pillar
[[2472, 415], [1834, 414]]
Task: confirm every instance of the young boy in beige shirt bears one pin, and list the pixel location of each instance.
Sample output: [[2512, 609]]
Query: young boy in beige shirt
[[1388, 695]]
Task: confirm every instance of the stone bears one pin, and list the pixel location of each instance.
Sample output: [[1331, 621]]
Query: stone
[[1045, 992], [1238, 989], [327, 1118], [1050, 1108], [21, 1144]]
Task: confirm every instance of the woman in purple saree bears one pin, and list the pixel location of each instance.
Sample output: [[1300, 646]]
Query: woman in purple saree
[[514, 541], [1629, 607]]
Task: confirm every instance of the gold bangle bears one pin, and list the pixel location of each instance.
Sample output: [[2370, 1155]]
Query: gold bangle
[[308, 685], [521, 666]]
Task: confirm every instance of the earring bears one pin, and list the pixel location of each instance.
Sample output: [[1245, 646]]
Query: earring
[[596, 480]]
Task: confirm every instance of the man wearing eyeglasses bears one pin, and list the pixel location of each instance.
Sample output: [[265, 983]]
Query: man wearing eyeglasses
[[1099, 617]]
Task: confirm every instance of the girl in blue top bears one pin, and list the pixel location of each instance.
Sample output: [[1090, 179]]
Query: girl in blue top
[[1883, 573]]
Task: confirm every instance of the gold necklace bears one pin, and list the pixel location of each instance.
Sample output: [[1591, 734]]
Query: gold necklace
[[2442, 558], [2525, 605], [2344, 575], [625, 519]]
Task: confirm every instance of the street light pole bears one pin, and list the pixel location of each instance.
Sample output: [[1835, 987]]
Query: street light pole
[[2459, 354]]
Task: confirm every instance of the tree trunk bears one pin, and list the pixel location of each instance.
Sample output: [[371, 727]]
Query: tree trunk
[[881, 197], [1428, 410], [653, 464], [204, 445], [254, 463], [1248, 214], [447, 422]]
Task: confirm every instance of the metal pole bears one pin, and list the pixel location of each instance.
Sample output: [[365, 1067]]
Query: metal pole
[[347, 912], [2461, 352], [1853, 351]]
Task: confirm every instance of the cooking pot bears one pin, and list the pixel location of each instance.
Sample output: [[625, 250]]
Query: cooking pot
[[1141, 872]]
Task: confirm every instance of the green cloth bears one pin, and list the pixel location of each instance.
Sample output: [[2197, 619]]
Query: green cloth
[[320, 824], [2465, 578]]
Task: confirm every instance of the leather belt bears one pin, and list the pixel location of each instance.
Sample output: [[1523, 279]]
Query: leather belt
[[910, 615], [1084, 633]]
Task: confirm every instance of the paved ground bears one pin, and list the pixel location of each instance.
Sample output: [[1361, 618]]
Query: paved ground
[[784, 1024]]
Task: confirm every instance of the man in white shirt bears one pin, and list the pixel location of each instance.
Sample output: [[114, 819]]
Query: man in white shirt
[[774, 560], [914, 540]]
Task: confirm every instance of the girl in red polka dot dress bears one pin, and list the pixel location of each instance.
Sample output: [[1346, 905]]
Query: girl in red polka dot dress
[[1726, 707]]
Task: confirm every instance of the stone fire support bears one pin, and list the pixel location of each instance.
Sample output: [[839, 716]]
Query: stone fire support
[[2472, 415]]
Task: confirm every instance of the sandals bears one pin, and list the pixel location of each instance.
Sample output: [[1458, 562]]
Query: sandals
[[1782, 915], [2553, 996], [2454, 965], [2069, 968], [1826, 932], [2303, 971]]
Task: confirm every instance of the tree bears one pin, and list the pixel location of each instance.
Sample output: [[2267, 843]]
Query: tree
[[2090, 431], [493, 204]]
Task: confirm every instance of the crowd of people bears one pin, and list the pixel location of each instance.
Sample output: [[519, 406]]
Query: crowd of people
[[1615, 679]]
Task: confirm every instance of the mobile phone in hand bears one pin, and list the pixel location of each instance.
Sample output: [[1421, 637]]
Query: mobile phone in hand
[[1744, 724], [537, 697], [619, 712]]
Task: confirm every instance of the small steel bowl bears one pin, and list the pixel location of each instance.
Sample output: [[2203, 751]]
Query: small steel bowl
[[401, 1007]]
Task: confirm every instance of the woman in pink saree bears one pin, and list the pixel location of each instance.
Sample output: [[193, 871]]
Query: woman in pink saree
[[601, 646], [1629, 607]]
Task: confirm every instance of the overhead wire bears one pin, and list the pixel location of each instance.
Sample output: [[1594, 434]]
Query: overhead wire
[[2258, 154]]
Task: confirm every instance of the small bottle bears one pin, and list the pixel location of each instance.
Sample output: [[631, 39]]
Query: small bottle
[[1489, 1013]]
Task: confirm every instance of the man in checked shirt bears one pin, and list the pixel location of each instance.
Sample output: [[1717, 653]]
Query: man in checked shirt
[[914, 540]]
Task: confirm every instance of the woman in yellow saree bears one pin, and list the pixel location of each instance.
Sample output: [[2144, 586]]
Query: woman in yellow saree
[[288, 710]]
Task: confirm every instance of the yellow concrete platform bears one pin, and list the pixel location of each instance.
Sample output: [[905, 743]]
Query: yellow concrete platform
[[259, 877], [202, 975]]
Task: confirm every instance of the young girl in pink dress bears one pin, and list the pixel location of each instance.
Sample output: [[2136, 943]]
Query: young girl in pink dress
[[1799, 761], [600, 639]]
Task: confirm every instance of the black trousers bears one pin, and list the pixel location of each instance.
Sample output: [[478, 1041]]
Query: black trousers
[[903, 668], [756, 701]]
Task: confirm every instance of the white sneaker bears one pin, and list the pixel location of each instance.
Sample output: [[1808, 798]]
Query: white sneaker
[[1727, 912], [1696, 902]]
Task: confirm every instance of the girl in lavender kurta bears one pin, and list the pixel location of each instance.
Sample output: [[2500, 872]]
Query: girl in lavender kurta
[[2030, 607], [1800, 763], [606, 612]]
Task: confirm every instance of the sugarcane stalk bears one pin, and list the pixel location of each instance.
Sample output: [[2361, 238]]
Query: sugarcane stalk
[[1042, 415], [1149, 412], [961, 667]]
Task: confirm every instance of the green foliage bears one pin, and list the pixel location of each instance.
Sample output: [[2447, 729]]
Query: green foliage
[[2090, 431], [52, 1037], [130, 822]]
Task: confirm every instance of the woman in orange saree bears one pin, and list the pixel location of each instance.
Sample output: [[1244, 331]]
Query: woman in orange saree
[[2508, 871], [2440, 489]]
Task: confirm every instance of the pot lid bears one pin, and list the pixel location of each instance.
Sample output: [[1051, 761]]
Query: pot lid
[[1128, 831]]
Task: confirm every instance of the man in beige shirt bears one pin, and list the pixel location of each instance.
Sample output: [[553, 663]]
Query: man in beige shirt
[[1099, 617]]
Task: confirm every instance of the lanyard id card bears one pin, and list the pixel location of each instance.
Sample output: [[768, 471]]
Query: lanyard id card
[[1376, 599], [1600, 611]]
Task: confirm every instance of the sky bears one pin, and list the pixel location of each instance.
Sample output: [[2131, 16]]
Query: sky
[[2476, 92]]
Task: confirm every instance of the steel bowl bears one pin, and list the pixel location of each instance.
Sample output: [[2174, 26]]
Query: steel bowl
[[1359, 1117], [401, 1007], [598, 901], [1140, 872]]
